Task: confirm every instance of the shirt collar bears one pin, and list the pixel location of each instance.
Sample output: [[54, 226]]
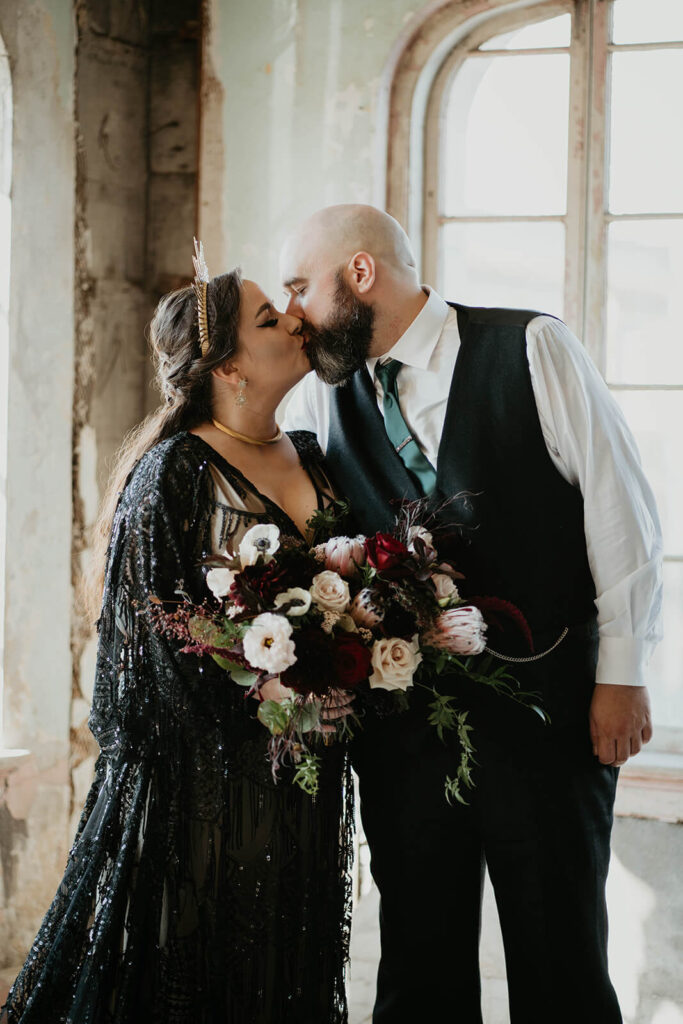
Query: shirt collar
[[416, 345]]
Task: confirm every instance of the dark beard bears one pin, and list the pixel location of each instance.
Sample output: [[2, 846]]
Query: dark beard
[[340, 346]]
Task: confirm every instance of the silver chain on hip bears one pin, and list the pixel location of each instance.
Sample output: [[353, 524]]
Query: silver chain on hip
[[534, 657]]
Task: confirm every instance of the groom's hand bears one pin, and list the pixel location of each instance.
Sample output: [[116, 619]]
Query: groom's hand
[[619, 722]]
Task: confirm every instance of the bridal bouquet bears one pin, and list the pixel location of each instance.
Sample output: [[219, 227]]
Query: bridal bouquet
[[339, 616]]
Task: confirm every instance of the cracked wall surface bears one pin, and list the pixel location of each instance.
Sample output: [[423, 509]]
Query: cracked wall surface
[[106, 99], [136, 107]]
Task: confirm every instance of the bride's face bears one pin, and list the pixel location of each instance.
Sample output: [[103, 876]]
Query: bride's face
[[271, 351]]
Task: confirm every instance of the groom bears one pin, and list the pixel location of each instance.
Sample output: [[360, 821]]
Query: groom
[[502, 412]]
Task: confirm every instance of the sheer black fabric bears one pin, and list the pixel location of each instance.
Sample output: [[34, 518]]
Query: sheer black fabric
[[196, 890]]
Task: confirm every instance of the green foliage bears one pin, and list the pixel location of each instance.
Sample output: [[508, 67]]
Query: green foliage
[[442, 714], [367, 575], [480, 669], [401, 700], [274, 715], [238, 674], [463, 777], [303, 715], [328, 522], [214, 634], [307, 775]]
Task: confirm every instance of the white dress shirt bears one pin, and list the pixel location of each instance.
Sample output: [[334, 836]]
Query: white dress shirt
[[588, 441]]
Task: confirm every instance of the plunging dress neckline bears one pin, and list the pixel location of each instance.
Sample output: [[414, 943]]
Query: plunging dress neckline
[[231, 472]]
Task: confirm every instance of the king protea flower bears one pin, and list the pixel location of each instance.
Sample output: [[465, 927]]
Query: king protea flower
[[343, 554], [458, 631]]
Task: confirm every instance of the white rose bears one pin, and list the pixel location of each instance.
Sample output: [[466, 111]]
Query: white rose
[[219, 581], [267, 643], [262, 539], [301, 600], [444, 586], [394, 662], [330, 592]]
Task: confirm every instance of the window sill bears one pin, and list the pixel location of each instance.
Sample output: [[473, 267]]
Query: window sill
[[651, 786], [10, 760]]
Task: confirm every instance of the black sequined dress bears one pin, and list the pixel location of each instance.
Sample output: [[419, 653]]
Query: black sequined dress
[[197, 891]]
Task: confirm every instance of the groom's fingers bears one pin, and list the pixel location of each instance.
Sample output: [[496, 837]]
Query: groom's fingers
[[623, 750], [619, 722], [606, 750]]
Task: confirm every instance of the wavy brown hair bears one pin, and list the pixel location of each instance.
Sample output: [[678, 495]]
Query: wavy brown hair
[[183, 377]]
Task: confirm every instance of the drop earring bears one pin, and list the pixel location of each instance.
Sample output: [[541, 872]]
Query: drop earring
[[240, 397]]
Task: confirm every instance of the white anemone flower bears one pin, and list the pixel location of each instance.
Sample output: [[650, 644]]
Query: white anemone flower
[[219, 581], [300, 598], [262, 539]]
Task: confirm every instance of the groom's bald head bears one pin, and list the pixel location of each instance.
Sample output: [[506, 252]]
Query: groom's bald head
[[332, 236], [351, 277]]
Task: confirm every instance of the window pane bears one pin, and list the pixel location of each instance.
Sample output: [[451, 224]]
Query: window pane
[[552, 32], [644, 327], [656, 419], [664, 671], [506, 136], [646, 165], [647, 21], [515, 265]]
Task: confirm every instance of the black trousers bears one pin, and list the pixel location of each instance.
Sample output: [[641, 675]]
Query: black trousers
[[540, 817]]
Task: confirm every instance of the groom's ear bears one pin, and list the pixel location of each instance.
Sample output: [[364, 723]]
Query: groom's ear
[[362, 271]]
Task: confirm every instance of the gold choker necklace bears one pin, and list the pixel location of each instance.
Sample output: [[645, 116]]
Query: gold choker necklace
[[243, 437]]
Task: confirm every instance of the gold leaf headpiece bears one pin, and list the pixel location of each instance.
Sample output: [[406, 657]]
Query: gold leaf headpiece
[[200, 285]]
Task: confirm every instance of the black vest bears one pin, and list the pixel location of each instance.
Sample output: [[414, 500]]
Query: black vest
[[519, 525]]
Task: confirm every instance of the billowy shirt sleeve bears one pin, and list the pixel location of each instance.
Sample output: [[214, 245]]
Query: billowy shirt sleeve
[[590, 443], [308, 408]]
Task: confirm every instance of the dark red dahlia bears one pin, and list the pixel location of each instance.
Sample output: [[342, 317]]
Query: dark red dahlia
[[315, 669], [258, 585]]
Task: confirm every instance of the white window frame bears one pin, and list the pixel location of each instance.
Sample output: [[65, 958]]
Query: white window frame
[[5, 249]]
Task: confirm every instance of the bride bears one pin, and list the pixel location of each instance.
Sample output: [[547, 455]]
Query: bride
[[196, 889]]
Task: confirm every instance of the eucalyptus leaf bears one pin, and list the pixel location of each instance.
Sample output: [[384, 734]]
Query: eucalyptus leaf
[[274, 716], [308, 716], [240, 675]]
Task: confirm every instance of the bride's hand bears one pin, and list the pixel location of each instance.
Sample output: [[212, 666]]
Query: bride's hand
[[274, 690]]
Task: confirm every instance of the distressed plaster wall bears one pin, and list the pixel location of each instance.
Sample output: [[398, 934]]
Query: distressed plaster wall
[[104, 209], [40, 40], [136, 103]]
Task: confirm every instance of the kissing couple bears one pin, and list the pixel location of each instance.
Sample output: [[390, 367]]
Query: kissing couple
[[197, 890]]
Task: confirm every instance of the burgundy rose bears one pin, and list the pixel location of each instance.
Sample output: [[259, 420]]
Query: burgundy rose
[[353, 661], [384, 551]]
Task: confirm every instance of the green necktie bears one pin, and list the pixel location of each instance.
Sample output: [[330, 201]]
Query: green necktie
[[397, 430]]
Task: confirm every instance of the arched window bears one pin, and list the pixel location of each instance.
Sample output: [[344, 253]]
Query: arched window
[[5, 241], [537, 155]]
